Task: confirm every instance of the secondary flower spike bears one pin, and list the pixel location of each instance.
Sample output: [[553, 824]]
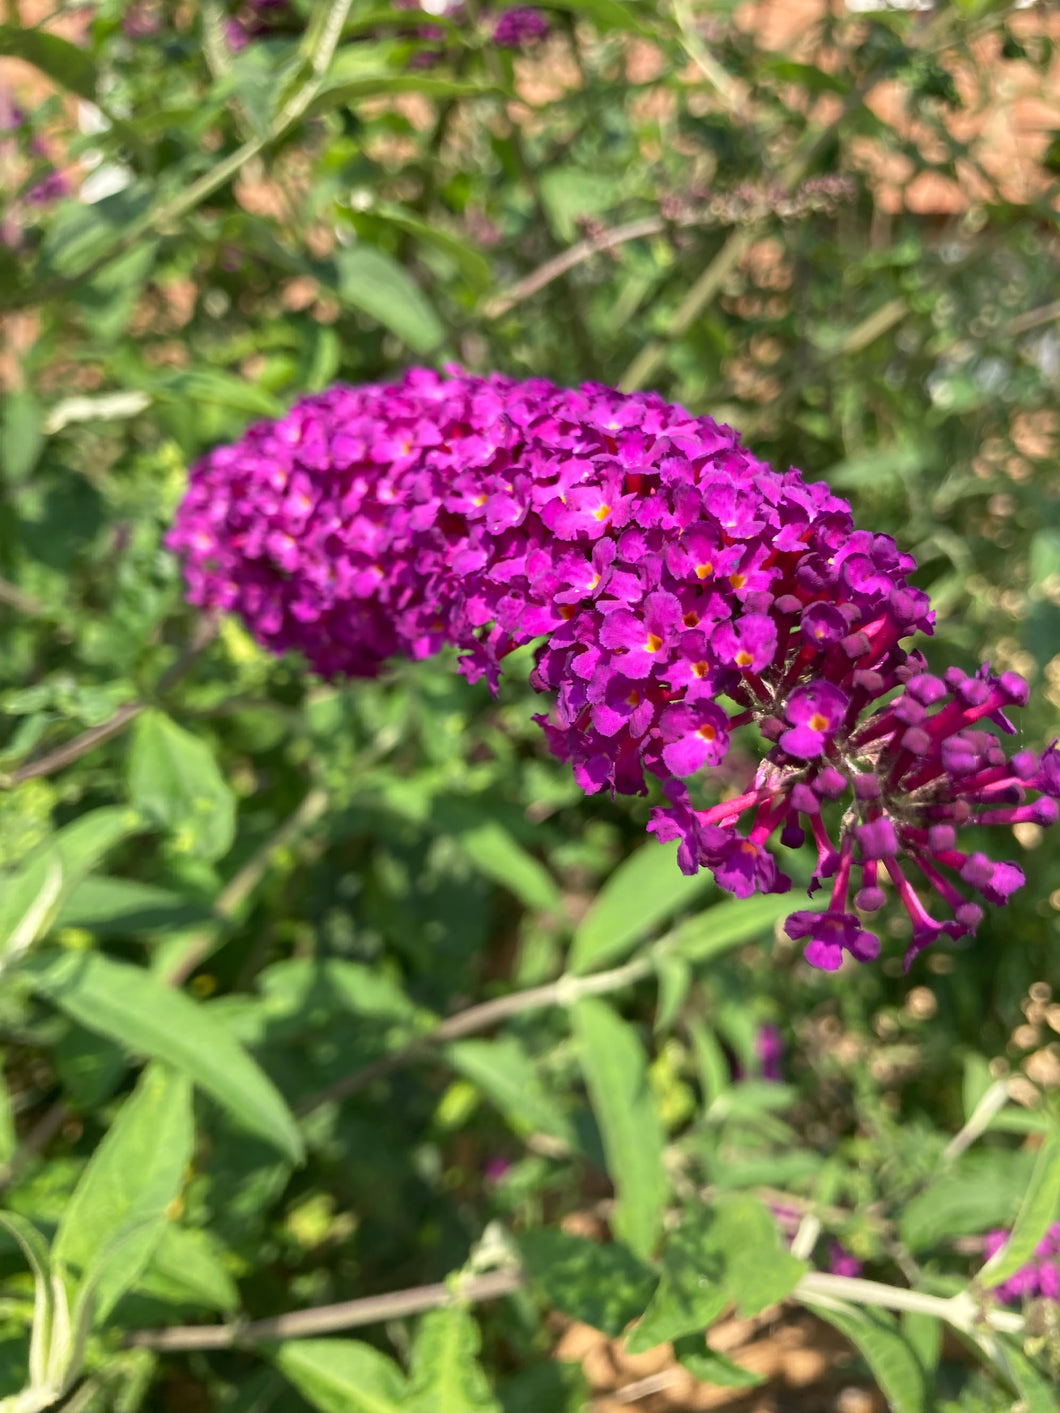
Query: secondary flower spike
[[683, 589]]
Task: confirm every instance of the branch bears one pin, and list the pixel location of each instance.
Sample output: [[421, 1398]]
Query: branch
[[814, 1287], [127, 713], [564, 992], [322, 1319], [16, 598]]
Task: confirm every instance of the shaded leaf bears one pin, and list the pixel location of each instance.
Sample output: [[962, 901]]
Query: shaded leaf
[[645, 890], [495, 853], [174, 779], [62, 61], [505, 1073], [342, 1375], [710, 1367], [133, 1007], [371, 281], [446, 1376], [117, 1212], [187, 1267], [1037, 1212], [728, 925], [603, 1285], [894, 1366], [615, 1068]]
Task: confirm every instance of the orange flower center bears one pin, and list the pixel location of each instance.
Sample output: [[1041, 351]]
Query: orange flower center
[[602, 512], [744, 658], [653, 644], [737, 580], [700, 669], [818, 722], [703, 570], [690, 619], [707, 731]]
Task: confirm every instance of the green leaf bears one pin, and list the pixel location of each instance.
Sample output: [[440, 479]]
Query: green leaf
[[496, 854], [894, 1365], [108, 299], [1037, 1390], [691, 1293], [616, 1074], [371, 281], [471, 262], [645, 890], [62, 61], [79, 235], [505, 1073], [174, 779], [710, 1367], [31, 897], [983, 1191], [187, 1268], [728, 1254], [446, 1376], [348, 95], [47, 1293], [130, 1180], [760, 1270], [602, 1285], [213, 386], [977, 1080], [21, 435], [1036, 1214], [675, 977], [28, 905], [924, 1334], [569, 193], [728, 925], [125, 905], [8, 1137], [605, 14], [342, 1375], [133, 1007], [715, 1072]]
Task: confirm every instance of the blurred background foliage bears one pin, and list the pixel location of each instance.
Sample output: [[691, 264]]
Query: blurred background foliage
[[832, 227]]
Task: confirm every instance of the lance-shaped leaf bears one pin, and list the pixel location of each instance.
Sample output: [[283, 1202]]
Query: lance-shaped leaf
[[117, 1213], [128, 1004], [342, 1375], [1037, 1212], [616, 1075]]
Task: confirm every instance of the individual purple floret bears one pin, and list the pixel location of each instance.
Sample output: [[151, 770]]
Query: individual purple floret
[[518, 27], [769, 1052], [1039, 1278], [51, 188], [683, 589], [842, 1262], [12, 116]]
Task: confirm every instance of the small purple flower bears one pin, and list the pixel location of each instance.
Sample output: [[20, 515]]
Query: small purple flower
[[816, 713], [12, 116], [842, 1262], [51, 188], [518, 27], [769, 1051]]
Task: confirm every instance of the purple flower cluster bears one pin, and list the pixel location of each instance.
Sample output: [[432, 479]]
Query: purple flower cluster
[[1039, 1278], [684, 589]]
